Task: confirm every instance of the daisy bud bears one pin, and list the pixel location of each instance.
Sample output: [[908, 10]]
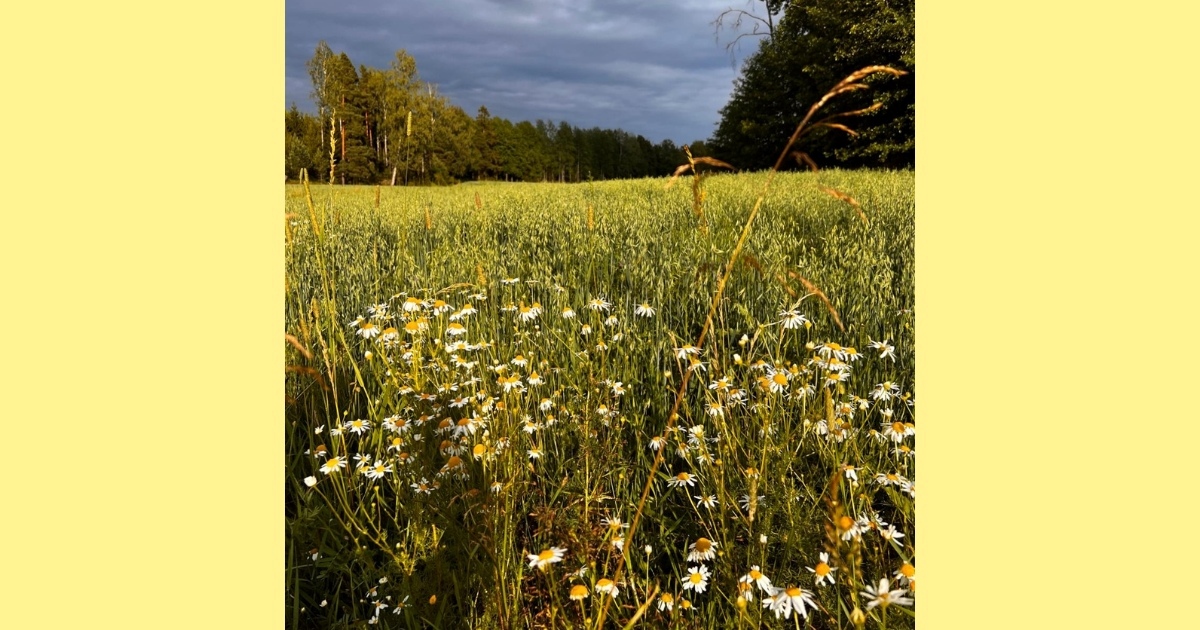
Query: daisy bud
[[741, 603], [857, 617], [310, 481], [369, 354]]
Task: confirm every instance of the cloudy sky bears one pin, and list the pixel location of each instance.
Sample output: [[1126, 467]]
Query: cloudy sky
[[650, 67]]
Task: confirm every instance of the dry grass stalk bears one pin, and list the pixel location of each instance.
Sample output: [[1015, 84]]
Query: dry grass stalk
[[815, 290], [837, 194], [299, 346], [697, 192]]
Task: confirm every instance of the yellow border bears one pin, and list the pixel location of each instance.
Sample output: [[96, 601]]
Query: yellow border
[[141, 261], [142, 264]]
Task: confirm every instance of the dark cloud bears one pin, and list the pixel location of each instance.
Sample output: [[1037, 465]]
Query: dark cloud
[[649, 67]]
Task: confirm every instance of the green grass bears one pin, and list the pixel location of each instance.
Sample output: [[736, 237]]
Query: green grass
[[465, 543]]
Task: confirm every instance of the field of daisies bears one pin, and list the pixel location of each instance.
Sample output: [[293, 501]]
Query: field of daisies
[[519, 405]]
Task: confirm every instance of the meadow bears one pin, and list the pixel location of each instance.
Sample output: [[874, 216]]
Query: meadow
[[518, 405]]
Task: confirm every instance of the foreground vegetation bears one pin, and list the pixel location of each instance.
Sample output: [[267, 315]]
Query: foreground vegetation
[[499, 415]]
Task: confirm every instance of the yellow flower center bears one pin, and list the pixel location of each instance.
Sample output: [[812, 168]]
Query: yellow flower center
[[908, 570], [579, 591], [703, 545], [898, 427], [546, 555], [792, 591], [780, 378], [845, 523], [822, 569], [604, 584], [683, 476], [755, 575], [454, 462], [696, 578], [667, 597], [479, 450]]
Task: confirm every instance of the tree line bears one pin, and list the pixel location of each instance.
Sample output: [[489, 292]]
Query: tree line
[[388, 126]]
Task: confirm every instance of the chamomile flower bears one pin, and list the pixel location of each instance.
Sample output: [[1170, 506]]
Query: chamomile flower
[[792, 319], [526, 313], [885, 596], [823, 572], [605, 585], [756, 577], [599, 304], [897, 431], [684, 351], [546, 557], [906, 573], [568, 313], [310, 481], [666, 602], [657, 442], [786, 600], [455, 329], [885, 349], [777, 381], [535, 379], [579, 592], [333, 464], [697, 579], [891, 533], [509, 281], [709, 501], [682, 479], [367, 330], [377, 470], [644, 310], [535, 452], [702, 549], [546, 404]]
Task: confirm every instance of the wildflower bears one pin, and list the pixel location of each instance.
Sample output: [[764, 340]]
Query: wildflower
[[568, 313], [367, 330], [611, 321], [510, 281], [682, 479], [599, 304], [792, 598], [333, 464], [618, 389], [579, 592], [526, 313], [851, 474], [697, 579], [440, 306], [535, 452], [716, 409], [885, 349], [657, 442], [683, 352], [497, 487], [702, 549], [849, 528], [644, 310], [310, 481], [455, 329], [357, 426], [546, 557], [890, 479], [510, 382], [823, 572], [709, 502], [897, 431], [778, 380], [890, 533], [756, 577], [906, 573], [762, 539], [585, 330], [606, 585], [666, 602], [792, 319], [378, 470], [618, 542], [412, 305], [883, 596], [744, 501], [535, 379]]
